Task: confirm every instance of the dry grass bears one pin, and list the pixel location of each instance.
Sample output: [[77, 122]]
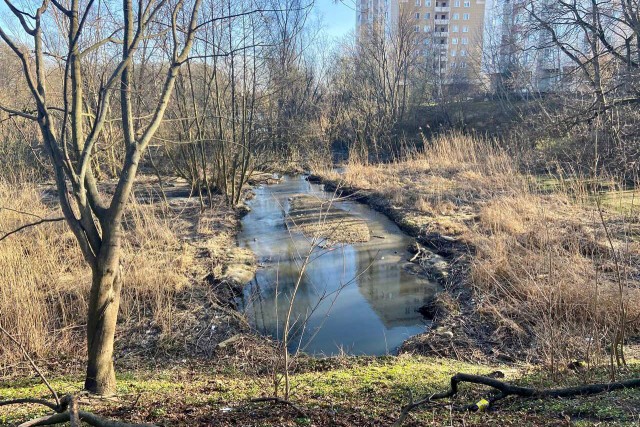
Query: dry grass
[[45, 283], [545, 274]]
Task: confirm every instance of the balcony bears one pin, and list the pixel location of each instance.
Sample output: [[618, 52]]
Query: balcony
[[442, 21], [440, 34], [442, 8]]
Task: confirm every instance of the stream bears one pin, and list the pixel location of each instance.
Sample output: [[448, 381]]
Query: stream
[[352, 299]]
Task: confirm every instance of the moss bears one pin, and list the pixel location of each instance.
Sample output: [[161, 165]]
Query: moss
[[367, 388]]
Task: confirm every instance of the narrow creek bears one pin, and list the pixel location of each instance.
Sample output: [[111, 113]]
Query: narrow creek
[[353, 298]]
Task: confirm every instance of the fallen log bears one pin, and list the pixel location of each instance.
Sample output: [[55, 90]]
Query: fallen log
[[505, 390]]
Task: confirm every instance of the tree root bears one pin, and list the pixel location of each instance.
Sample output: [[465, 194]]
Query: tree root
[[505, 390], [66, 408], [67, 411]]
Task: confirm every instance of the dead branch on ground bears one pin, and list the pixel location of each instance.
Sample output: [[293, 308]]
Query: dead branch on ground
[[66, 408], [505, 390]]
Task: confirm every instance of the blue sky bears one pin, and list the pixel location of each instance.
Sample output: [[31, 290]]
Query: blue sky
[[338, 17]]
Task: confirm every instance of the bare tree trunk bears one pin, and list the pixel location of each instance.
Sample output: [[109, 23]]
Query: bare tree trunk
[[102, 317]]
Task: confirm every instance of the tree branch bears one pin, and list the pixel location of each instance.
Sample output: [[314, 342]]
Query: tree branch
[[31, 224], [506, 390], [22, 114]]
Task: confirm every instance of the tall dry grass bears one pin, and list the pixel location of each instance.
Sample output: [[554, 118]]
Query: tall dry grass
[[552, 269], [45, 283]]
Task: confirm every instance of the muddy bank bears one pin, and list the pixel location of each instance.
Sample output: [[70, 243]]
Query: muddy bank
[[203, 313], [457, 329]]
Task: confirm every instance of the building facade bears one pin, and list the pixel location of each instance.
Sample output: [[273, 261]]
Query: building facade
[[535, 37], [449, 32]]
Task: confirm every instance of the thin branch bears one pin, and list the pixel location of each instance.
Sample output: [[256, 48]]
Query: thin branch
[[31, 224], [19, 113], [35, 367]]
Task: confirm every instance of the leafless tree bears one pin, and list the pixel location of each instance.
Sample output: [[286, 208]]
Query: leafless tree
[[72, 124]]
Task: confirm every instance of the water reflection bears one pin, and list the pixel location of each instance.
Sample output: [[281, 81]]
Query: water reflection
[[354, 298]]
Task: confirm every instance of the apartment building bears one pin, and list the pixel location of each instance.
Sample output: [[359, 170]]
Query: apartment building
[[450, 31], [373, 14], [527, 59]]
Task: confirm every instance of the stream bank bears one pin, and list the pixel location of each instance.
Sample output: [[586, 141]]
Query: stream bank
[[358, 294], [456, 330]]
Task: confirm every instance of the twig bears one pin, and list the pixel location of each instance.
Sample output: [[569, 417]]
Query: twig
[[33, 364], [31, 224]]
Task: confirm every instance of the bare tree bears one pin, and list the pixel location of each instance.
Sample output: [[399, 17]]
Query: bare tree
[[70, 130]]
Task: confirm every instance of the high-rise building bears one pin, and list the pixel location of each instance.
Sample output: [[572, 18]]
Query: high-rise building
[[372, 14], [524, 56], [450, 32], [539, 44]]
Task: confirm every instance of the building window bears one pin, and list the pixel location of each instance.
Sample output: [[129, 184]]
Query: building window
[[465, 29], [454, 29], [427, 3], [456, 16], [465, 16], [453, 52], [427, 15], [456, 3], [467, 4], [463, 65], [416, 28], [427, 28], [463, 52], [465, 40], [454, 41], [418, 2], [417, 15], [427, 41]]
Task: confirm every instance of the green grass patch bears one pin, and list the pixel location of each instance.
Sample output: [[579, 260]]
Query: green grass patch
[[362, 390]]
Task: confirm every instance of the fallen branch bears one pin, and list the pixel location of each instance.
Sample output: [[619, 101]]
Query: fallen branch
[[42, 402], [87, 417], [66, 408], [505, 389], [67, 412]]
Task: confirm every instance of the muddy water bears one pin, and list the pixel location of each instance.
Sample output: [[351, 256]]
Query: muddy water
[[357, 298]]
